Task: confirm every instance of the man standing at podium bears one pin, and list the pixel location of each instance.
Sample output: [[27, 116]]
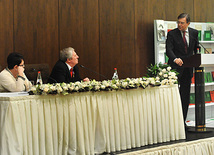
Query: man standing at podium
[[182, 42]]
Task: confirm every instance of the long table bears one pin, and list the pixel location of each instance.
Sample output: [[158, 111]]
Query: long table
[[90, 122]]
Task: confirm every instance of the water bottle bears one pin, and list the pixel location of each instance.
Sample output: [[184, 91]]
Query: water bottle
[[198, 51], [39, 78], [115, 75]]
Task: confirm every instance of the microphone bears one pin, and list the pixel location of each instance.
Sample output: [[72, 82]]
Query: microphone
[[33, 69], [52, 79], [93, 71], [206, 51]]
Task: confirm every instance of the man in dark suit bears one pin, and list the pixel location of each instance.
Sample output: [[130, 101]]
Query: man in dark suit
[[65, 69], [181, 43]]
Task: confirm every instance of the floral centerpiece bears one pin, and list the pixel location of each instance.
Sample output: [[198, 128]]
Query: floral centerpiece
[[163, 73], [156, 76]]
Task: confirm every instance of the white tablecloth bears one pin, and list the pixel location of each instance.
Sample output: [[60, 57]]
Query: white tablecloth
[[88, 123]]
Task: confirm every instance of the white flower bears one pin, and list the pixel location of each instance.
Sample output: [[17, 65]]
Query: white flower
[[46, 89], [169, 68], [157, 78], [131, 82], [170, 82], [172, 73], [124, 84], [146, 82], [106, 83], [117, 83], [164, 82], [65, 88], [71, 87], [174, 81], [33, 89], [52, 88], [160, 73], [76, 88], [97, 87], [103, 87], [165, 75], [164, 70], [152, 82], [114, 86], [59, 90], [128, 79], [42, 87]]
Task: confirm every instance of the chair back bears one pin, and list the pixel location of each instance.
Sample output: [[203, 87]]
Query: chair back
[[31, 71]]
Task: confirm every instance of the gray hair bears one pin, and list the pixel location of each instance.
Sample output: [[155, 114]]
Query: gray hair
[[184, 15], [66, 53]]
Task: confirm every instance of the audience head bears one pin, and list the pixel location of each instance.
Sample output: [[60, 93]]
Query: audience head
[[69, 56], [14, 59], [183, 21]]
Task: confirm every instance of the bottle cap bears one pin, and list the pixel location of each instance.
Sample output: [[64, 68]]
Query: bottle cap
[[115, 68], [39, 72]]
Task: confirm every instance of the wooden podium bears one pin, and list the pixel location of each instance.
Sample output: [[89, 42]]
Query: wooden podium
[[199, 61]]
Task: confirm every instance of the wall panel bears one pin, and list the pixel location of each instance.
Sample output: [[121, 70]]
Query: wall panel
[[36, 30], [117, 43], [79, 28], [6, 30], [175, 7], [203, 10], [145, 13]]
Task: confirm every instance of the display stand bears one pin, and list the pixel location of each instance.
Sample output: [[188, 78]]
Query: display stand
[[199, 61]]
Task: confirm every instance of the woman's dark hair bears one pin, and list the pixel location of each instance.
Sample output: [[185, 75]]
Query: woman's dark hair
[[14, 59]]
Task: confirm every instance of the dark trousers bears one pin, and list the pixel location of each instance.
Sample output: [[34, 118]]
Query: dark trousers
[[184, 82]]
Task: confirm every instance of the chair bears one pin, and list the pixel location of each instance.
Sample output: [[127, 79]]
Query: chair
[[31, 71]]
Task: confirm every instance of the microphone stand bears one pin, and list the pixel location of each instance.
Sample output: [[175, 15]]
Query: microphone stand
[[206, 52], [93, 71]]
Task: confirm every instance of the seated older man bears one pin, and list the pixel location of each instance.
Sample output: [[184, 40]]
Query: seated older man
[[12, 78], [66, 70]]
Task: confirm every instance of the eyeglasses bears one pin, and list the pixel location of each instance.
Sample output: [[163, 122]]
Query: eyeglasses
[[182, 23], [22, 65]]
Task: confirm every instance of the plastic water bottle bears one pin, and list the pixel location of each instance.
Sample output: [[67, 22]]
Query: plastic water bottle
[[39, 78], [198, 51], [115, 75]]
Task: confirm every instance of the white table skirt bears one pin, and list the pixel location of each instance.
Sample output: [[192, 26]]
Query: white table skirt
[[89, 123]]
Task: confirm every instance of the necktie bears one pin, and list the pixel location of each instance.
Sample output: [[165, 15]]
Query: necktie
[[185, 41], [71, 71]]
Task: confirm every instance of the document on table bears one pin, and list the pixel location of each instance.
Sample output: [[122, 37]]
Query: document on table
[[13, 94]]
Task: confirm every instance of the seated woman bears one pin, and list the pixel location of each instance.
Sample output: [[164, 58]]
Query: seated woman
[[12, 78]]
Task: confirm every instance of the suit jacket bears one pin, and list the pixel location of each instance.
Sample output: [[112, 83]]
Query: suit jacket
[[175, 47], [60, 73]]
